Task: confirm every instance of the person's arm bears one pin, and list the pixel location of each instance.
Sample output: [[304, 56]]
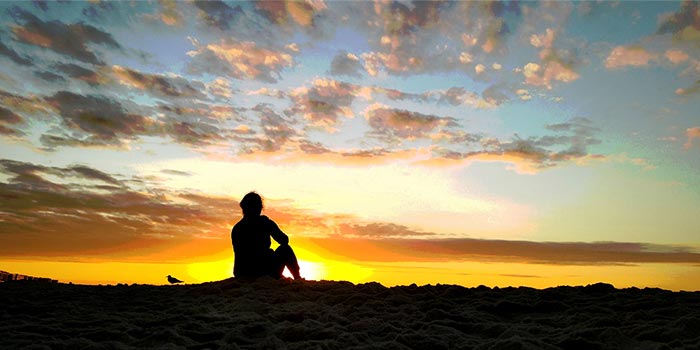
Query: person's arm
[[277, 234]]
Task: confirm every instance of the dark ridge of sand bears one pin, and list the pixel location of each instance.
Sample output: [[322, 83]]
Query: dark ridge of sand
[[270, 314]]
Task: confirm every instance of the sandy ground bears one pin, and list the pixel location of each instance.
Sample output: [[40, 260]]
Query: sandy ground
[[269, 314]]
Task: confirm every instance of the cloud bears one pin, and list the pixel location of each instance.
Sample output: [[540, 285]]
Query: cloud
[[100, 215], [21, 104], [464, 249], [623, 56], [685, 24], [379, 230], [555, 65], [676, 56], [221, 87], [397, 125], [14, 56], [176, 172], [67, 39], [570, 141], [9, 119], [302, 13], [103, 120], [163, 85], [323, 103], [241, 60], [22, 171], [692, 134], [693, 89], [345, 63], [170, 14], [217, 13], [41, 4], [193, 133], [424, 37], [276, 132], [49, 76], [77, 72], [538, 75], [455, 96]]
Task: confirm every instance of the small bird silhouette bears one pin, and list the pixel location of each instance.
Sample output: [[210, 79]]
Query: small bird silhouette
[[173, 280]]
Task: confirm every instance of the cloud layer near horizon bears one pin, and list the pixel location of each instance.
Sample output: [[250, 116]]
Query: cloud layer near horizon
[[88, 213]]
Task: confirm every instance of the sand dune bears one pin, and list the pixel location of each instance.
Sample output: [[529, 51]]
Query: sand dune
[[269, 314]]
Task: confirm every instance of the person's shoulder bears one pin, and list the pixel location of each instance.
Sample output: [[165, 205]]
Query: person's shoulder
[[266, 220], [237, 225]]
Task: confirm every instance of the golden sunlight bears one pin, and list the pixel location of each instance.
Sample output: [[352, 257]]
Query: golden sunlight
[[211, 271]]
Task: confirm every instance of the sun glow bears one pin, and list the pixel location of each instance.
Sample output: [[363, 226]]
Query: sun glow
[[309, 270], [211, 271]]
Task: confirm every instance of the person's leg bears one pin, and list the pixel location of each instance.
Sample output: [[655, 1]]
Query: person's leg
[[285, 257]]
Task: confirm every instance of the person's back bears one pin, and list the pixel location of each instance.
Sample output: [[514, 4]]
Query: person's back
[[251, 245], [251, 242]]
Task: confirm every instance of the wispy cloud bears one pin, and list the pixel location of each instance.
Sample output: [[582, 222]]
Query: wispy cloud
[[559, 253]]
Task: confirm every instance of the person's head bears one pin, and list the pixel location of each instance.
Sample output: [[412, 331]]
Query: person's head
[[251, 204]]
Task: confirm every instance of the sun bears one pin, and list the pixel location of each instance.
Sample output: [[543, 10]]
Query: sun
[[309, 270]]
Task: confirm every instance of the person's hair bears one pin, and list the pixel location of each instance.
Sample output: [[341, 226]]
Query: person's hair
[[251, 204]]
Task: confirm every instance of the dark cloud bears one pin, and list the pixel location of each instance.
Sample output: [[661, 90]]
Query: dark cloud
[[49, 76], [218, 14], [495, 95], [90, 173], [581, 134], [560, 253], [170, 86], [571, 140], [104, 120], [14, 56], [193, 133], [686, 19], [396, 125], [401, 19], [290, 15], [8, 121], [176, 172], [324, 103], [21, 171], [313, 147], [97, 11], [43, 218], [345, 63], [41, 4], [277, 131], [67, 39], [51, 142], [380, 231], [78, 72]]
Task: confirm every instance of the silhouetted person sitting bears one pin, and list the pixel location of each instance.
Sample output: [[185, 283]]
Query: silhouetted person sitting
[[251, 244]]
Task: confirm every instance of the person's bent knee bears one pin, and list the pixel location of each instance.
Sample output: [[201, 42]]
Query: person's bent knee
[[284, 249]]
